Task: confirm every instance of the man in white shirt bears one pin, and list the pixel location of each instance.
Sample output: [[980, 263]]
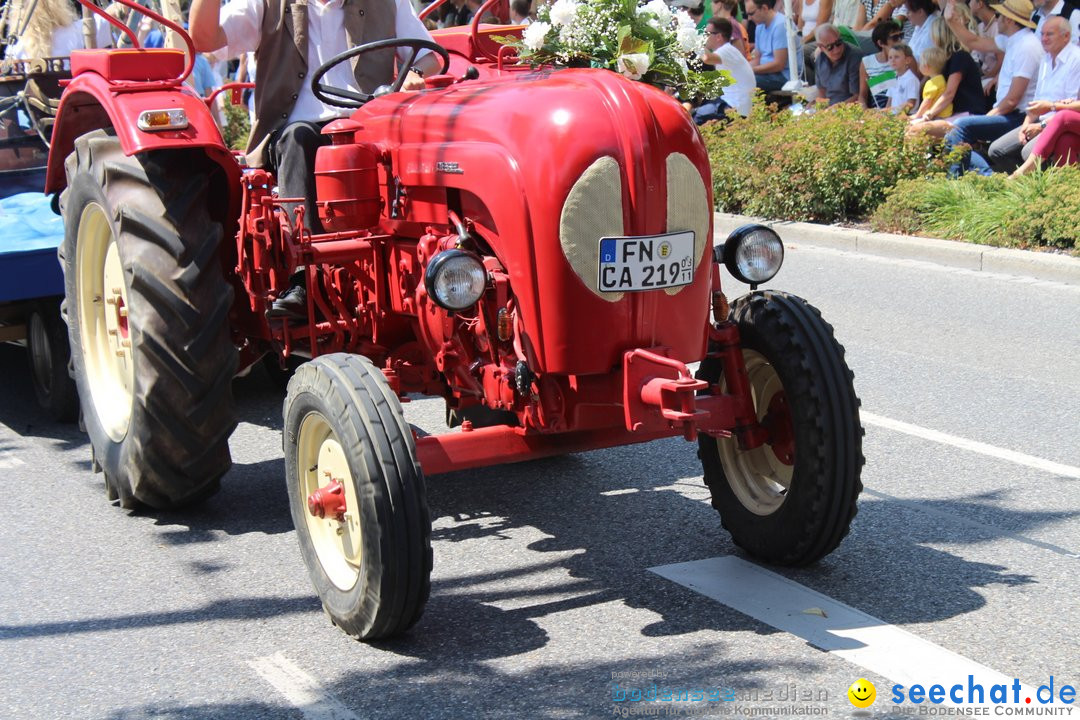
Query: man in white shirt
[[1049, 8], [1059, 79], [1016, 79], [724, 56], [291, 39]]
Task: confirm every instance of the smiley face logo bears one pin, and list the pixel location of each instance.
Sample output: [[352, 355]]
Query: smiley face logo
[[862, 693]]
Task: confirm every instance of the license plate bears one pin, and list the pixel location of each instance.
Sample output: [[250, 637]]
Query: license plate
[[646, 263]]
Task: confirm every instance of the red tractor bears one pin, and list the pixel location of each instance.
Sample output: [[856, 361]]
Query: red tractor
[[535, 247]]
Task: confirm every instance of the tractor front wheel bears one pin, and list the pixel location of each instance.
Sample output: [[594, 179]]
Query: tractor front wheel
[[357, 496], [147, 309], [791, 500]]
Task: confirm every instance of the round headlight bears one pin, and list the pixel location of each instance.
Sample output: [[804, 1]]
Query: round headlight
[[455, 279], [753, 254]]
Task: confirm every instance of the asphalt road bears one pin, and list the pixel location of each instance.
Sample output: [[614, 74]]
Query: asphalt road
[[543, 598]]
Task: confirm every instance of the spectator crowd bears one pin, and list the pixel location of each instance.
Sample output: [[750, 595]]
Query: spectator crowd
[[1000, 76]]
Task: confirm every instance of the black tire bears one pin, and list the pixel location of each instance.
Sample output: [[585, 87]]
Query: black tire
[[344, 399], [785, 340], [161, 432], [49, 353]]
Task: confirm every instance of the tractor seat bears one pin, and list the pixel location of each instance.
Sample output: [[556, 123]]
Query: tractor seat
[[133, 64], [458, 39]]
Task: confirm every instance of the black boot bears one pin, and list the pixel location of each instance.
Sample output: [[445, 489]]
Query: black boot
[[292, 303]]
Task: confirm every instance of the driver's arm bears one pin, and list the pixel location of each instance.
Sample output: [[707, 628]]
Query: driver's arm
[[429, 64], [237, 25], [205, 27], [408, 25]]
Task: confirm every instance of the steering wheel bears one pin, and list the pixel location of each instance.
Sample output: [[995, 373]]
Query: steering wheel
[[343, 98]]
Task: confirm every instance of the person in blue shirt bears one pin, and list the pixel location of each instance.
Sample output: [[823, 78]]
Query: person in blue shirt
[[770, 59]]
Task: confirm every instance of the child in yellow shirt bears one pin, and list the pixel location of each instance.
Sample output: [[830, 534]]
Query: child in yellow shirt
[[931, 65]]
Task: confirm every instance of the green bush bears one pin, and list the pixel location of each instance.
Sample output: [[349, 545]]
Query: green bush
[[835, 164], [1035, 210]]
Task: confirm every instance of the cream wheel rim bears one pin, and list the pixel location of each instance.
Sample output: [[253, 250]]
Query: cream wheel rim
[[103, 321], [759, 479], [321, 460]]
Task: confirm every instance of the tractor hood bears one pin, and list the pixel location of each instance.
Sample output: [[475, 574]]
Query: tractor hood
[[549, 163]]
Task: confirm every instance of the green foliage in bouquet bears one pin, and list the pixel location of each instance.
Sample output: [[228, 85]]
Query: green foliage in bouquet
[[641, 40]]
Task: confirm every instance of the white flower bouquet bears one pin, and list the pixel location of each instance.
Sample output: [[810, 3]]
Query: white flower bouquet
[[641, 40]]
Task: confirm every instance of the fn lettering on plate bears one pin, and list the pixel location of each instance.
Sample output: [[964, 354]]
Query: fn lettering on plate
[[648, 262]]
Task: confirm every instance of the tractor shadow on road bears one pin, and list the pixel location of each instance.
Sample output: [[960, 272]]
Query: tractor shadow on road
[[253, 496], [608, 516], [253, 499]]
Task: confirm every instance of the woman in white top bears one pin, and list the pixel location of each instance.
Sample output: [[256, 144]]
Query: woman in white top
[[808, 15], [54, 30], [849, 13]]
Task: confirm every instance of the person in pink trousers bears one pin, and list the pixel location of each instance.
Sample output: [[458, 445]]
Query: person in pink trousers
[[1059, 141]]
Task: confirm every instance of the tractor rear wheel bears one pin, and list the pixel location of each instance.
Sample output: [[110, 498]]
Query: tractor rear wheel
[[357, 496], [147, 311], [791, 500], [47, 341]]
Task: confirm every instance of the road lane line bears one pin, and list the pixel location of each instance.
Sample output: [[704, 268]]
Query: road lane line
[[839, 629], [8, 460], [300, 689], [1012, 456]]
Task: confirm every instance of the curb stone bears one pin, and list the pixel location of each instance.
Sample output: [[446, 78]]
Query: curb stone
[[968, 256]]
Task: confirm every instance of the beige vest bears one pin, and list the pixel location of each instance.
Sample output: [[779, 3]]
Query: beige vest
[[282, 60]]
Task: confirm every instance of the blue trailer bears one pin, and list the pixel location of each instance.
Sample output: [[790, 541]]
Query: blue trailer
[[31, 279]]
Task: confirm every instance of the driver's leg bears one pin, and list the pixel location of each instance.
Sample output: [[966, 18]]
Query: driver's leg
[[292, 153], [292, 156]]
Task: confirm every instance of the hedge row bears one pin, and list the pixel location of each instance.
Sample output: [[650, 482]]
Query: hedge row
[[1035, 210], [825, 167]]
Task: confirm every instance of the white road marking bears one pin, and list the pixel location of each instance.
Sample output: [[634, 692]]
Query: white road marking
[[8, 459], [1012, 456], [839, 629], [624, 491], [300, 689]]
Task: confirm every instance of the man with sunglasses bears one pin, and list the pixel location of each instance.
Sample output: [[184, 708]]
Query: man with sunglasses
[[876, 75], [1016, 80], [837, 67], [722, 54]]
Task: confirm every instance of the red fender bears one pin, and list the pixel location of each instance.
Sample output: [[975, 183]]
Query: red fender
[[91, 102]]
